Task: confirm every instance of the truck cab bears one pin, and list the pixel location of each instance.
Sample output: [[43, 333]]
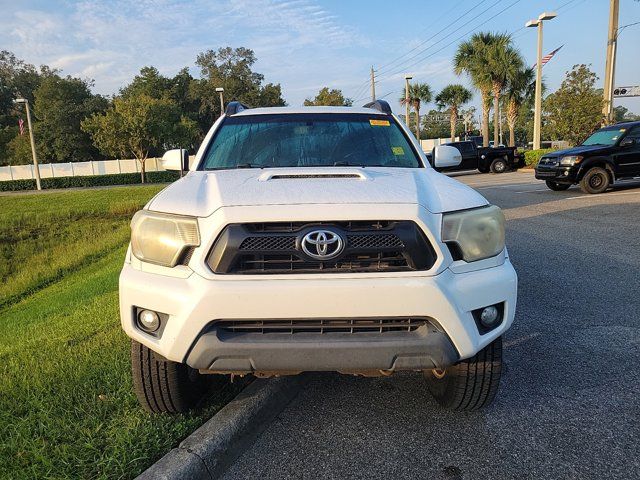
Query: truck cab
[[485, 159]]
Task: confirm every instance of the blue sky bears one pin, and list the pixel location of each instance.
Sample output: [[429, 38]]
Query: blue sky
[[307, 44]]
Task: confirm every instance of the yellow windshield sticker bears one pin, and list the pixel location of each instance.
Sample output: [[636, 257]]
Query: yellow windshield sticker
[[623, 129], [397, 150], [379, 123]]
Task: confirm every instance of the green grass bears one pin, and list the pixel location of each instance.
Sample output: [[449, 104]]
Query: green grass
[[67, 408]]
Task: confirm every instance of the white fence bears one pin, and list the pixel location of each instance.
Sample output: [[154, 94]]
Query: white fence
[[78, 169], [430, 143]]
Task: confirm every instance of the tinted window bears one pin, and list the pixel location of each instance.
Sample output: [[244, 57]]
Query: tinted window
[[606, 136], [635, 134], [465, 148], [309, 140]]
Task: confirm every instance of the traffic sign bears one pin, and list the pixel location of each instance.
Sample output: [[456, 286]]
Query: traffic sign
[[627, 91]]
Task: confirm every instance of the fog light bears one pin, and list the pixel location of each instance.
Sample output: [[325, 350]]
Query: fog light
[[489, 316], [148, 320]]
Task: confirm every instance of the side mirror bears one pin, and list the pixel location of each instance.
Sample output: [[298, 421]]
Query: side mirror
[[627, 142], [176, 160], [446, 156]]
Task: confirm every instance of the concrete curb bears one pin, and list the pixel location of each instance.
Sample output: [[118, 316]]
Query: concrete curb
[[212, 448]]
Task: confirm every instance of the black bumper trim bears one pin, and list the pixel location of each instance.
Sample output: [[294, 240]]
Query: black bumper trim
[[426, 348]]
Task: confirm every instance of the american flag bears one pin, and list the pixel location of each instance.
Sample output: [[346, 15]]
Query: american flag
[[21, 125], [548, 56]]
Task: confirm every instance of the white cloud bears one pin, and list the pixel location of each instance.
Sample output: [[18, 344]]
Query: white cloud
[[298, 43]]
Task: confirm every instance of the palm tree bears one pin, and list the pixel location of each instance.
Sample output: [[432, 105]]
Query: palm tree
[[453, 96], [418, 93], [504, 63], [472, 59], [520, 90]]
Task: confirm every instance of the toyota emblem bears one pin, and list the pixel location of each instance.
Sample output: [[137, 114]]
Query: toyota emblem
[[322, 244]]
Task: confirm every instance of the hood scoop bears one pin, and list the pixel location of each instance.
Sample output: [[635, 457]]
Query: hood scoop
[[295, 175]]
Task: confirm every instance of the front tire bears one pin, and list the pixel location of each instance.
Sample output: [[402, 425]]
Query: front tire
[[499, 165], [596, 180], [163, 386], [557, 187], [471, 384]]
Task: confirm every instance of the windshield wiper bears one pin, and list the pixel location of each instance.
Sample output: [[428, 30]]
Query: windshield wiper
[[347, 164]]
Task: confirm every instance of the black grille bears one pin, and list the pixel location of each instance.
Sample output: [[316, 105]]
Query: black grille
[[548, 161], [374, 241], [268, 243], [374, 262], [275, 248], [322, 325]]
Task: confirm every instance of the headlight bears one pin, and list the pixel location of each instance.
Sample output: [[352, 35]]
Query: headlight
[[478, 233], [570, 160], [161, 238]]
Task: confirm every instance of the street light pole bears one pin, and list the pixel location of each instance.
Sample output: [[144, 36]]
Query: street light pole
[[220, 90], [406, 98], [537, 120], [33, 143], [373, 84], [610, 65]]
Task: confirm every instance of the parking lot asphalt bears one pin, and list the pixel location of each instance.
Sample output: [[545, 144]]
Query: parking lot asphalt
[[569, 401]]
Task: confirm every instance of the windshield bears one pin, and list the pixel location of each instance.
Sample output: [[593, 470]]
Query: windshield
[[309, 140], [608, 136]]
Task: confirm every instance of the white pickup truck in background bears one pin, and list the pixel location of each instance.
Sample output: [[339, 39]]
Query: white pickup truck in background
[[315, 239]]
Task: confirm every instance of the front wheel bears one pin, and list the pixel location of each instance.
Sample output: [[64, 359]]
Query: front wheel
[[163, 386], [557, 187], [498, 166], [471, 384], [596, 180]]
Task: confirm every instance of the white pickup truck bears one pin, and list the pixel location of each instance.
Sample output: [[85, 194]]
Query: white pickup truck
[[315, 239]]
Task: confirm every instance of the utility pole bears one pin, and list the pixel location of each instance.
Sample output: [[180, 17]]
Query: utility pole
[[610, 65], [373, 84], [537, 120], [33, 143], [406, 98]]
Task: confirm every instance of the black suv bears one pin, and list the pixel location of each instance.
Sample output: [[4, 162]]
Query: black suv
[[612, 153]]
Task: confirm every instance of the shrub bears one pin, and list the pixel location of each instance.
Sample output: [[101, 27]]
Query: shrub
[[89, 181], [531, 157]]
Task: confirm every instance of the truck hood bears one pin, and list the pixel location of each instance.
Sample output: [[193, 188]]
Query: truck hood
[[201, 193], [579, 150]]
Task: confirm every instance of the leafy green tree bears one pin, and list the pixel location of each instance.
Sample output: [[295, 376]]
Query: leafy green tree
[[139, 126], [181, 89], [17, 80], [520, 91], [231, 69], [333, 97], [418, 93], [148, 82], [453, 97], [472, 58], [19, 149], [60, 105], [575, 109], [622, 114]]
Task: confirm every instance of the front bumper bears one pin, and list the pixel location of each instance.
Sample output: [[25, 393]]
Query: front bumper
[[194, 304], [556, 174]]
